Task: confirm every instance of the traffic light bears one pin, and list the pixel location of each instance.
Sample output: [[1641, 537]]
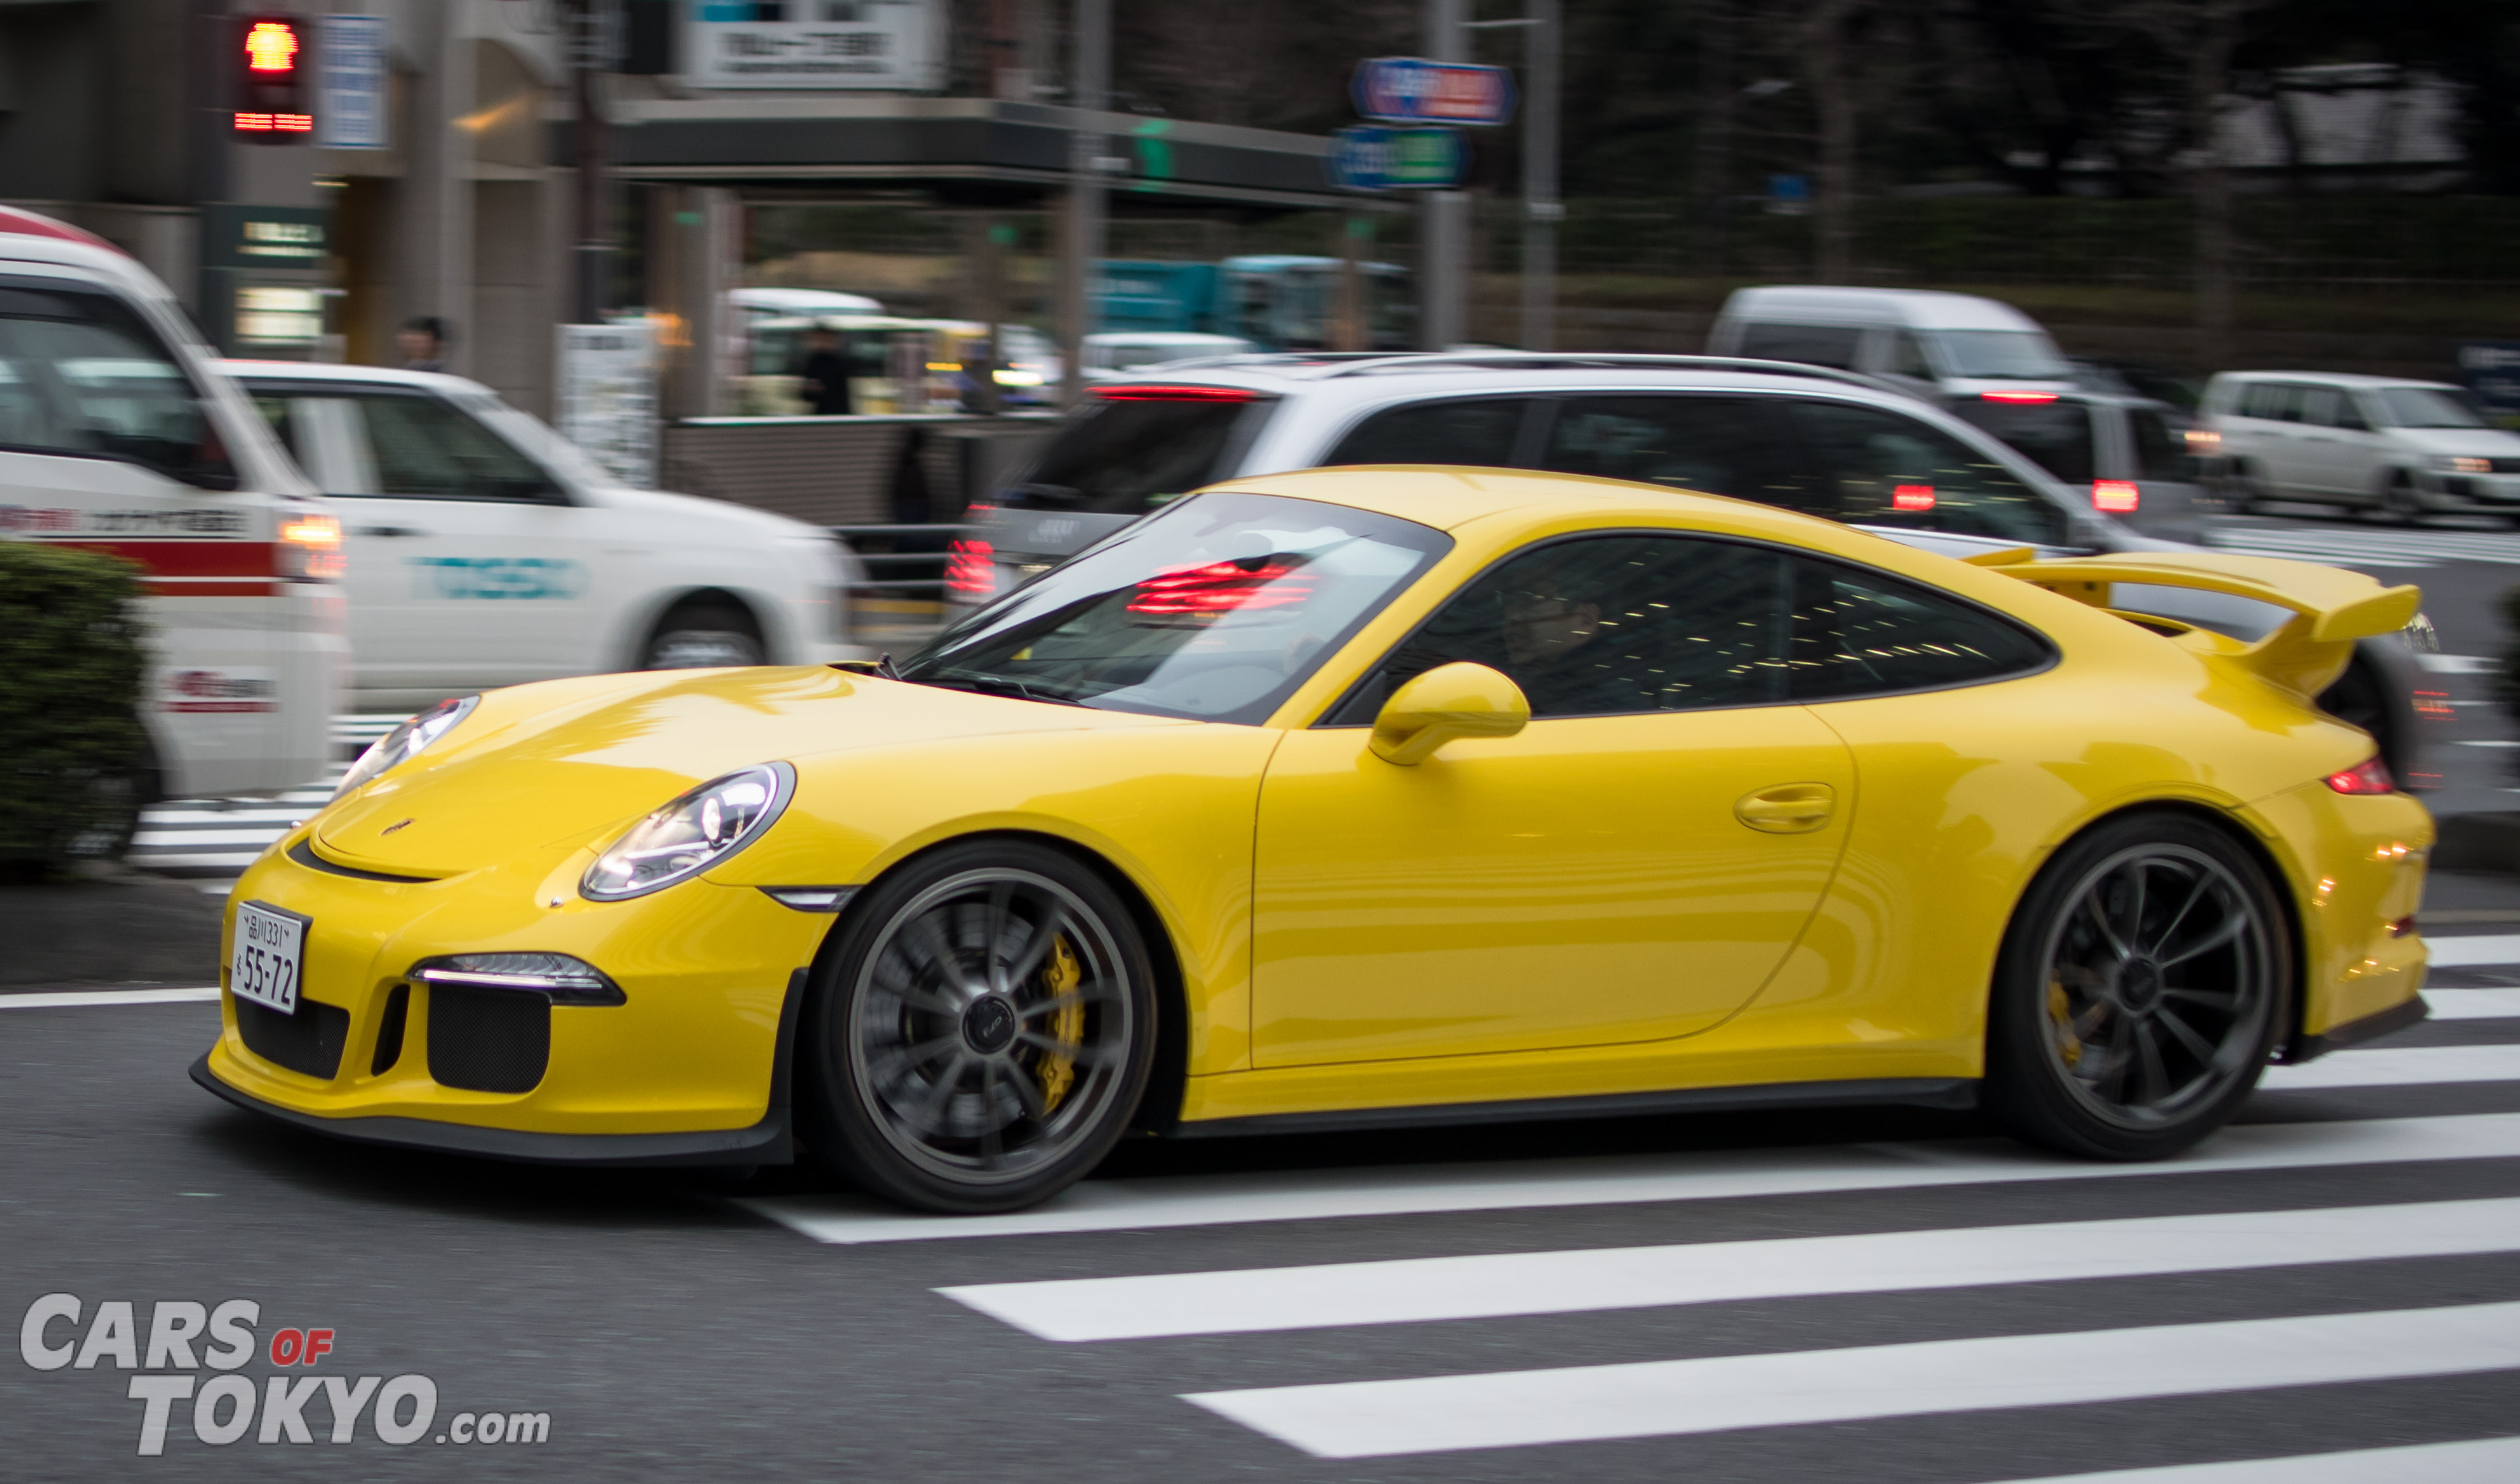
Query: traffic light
[[271, 80]]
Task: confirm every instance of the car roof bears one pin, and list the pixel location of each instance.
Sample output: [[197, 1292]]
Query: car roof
[[331, 371], [2332, 378], [1284, 373], [1921, 308]]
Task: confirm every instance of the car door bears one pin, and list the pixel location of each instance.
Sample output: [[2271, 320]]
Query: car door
[[468, 568], [1633, 866], [2278, 449]]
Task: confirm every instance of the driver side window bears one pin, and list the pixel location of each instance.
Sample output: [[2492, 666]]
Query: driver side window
[[427, 448]]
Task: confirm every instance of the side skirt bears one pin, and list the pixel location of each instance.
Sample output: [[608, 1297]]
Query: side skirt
[[2396, 1017], [1958, 1094]]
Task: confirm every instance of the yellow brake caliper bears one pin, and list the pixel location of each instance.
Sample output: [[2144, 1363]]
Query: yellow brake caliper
[[2061, 1012], [1060, 975]]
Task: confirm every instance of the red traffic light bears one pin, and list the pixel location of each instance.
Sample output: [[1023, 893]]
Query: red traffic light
[[271, 95]]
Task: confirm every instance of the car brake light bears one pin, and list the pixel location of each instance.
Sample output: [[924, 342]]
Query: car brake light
[[2116, 496], [2434, 705], [2368, 778], [971, 568], [2024, 397], [1174, 395], [1912, 497], [310, 548], [1220, 587]]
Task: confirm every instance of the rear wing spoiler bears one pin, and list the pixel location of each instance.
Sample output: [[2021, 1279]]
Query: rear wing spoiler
[[2331, 607]]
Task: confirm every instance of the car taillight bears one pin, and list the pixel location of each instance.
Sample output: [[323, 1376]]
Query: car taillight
[[2023, 397], [971, 568], [1912, 497], [2116, 496], [310, 548], [2434, 705], [1220, 587], [2367, 777], [1152, 393]]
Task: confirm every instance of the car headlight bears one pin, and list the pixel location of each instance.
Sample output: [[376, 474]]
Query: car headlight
[[692, 833], [405, 742], [2455, 464]]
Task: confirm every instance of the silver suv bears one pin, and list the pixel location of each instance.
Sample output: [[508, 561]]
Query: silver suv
[[1826, 442]]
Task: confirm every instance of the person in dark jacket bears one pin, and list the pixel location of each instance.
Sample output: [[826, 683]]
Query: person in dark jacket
[[824, 376]]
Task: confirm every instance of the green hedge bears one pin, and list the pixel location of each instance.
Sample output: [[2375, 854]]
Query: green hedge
[[70, 668]]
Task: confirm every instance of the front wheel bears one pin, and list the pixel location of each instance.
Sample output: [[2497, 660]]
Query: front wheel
[[981, 1035], [2139, 993]]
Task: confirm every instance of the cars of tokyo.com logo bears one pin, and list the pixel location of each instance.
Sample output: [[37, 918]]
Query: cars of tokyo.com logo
[[183, 1340]]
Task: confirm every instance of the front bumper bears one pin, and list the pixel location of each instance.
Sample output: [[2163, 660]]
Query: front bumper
[[689, 1070]]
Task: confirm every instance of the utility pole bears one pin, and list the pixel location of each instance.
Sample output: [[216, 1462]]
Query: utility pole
[[1540, 208], [590, 48], [1444, 216], [1089, 94]]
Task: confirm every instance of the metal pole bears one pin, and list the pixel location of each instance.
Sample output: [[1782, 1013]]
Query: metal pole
[[1090, 95], [1444, 216], [1540, 208], [588, 57]]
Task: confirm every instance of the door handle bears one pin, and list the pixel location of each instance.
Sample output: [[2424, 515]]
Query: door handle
[[389, 530], [1787, 808]]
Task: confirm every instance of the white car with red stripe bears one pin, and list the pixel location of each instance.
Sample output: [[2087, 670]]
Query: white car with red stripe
[[117, 435]]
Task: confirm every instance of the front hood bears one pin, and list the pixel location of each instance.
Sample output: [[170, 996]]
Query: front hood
[[539, 765]]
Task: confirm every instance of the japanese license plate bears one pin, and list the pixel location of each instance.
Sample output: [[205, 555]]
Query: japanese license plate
[[267, 955]]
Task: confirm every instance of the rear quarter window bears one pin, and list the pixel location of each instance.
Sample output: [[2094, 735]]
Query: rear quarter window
[[1810, 345], [2057, 435]]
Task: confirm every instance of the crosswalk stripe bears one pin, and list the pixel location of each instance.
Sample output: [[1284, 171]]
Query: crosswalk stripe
[[2473, 1004], [2484, 1461], [1418, 1290], [1118, 1205], [2471, 952], [1355, 1420], [66, 998], [2399, 1066], [2370, 547]]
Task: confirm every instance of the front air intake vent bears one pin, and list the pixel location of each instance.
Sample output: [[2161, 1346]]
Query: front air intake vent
[[487, 1040], [308, 1042]]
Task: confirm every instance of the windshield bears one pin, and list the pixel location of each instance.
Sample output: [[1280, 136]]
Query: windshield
[[2001, 353], [1215, 609], [2426, 407]]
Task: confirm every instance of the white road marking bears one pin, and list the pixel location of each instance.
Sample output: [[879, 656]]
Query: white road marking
[[1516, 1408], [2486, 1461], [2472, 1003], [254, 837], [62, 999], [2456, 664], [2485, 741], [1119, 1205], [1420, 1290], [2473, 949], [2399, 1066]]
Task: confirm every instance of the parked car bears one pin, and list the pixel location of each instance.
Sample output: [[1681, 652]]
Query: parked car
[[1832, 443], [483, 550], [117, 435], [1951, 344], [2400, 446], [2140, 460]]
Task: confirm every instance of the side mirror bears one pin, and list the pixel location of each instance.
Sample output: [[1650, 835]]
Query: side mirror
[[1447, 702]]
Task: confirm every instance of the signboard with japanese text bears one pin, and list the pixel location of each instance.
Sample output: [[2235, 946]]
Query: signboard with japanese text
[[608, 397], [350, 82], [1372, 158], [895, 45], [1413, 90]]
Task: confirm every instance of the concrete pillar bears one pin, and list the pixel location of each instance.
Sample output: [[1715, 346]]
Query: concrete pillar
[[435, 236], [1444, 216], [1084, 214], [695, 248]]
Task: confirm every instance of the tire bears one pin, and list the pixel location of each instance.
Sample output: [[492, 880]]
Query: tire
[[2118, 1028], [2248, 493], [702, 638], [982, 1032], [2399, 502]]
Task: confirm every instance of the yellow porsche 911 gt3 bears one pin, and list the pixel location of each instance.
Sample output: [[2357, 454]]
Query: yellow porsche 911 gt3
[[1363, 796]]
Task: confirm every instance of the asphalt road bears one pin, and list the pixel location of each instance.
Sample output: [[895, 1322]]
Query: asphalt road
[[2335, 1276]]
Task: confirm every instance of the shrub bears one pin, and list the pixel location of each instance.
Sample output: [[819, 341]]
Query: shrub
[[70, 738]]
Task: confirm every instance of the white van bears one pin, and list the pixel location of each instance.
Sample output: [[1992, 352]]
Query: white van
[[117, 435], [1955, 344], [2389, 443], [484, 549]]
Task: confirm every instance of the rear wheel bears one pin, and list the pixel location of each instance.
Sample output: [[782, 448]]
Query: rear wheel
[[2139, 991], [981, 1036]]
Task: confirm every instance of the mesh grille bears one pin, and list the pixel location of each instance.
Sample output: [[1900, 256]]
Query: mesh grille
[[487, 1040], [309, 1041]]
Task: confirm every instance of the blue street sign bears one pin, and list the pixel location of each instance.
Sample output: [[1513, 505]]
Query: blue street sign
[[1413, 90], [1370, 158]]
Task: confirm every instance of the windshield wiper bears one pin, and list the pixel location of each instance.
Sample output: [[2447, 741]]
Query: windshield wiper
[[995, 685]]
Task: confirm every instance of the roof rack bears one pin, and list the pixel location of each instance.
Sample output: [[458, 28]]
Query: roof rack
[[1522, 360]]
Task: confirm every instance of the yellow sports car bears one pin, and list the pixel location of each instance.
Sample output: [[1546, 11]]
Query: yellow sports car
[[1363, 796]]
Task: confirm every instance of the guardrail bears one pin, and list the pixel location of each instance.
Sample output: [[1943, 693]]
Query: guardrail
[[857, 536]]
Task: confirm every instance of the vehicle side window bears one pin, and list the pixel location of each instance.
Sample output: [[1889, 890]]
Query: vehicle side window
[[1718, 445], [82, 374], [1867, 467], [427, 448], [2321, 406], [2160, 450], [1134, 454], [1863, 633], [1810, 345], [2270, 400], [1908, 356], [1481, 431], [1611, 625]]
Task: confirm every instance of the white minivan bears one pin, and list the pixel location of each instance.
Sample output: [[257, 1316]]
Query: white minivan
[[484, 549], [117, 435], [1931, 343], [2394, 444]]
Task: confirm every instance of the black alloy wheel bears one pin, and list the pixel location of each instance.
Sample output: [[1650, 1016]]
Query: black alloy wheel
[[2140, 989], [981, 1034]]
